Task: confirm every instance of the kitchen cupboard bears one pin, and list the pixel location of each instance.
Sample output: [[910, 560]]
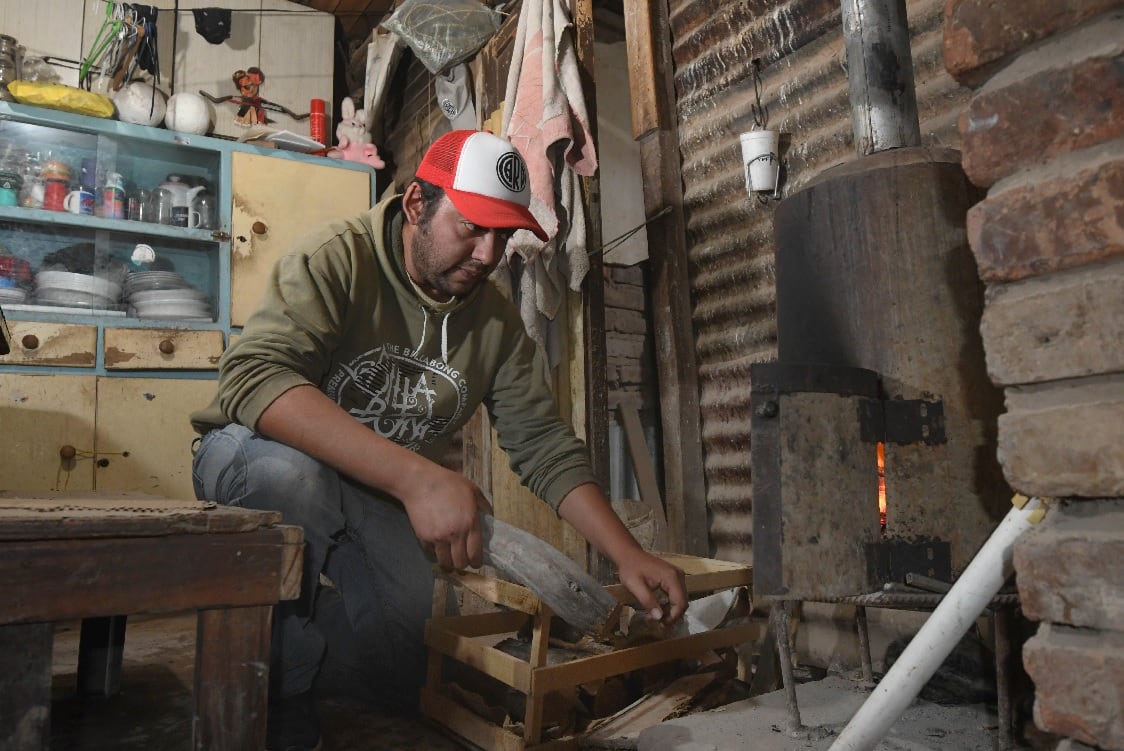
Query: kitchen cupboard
[[98, 387], [274, 202], [64, 432]]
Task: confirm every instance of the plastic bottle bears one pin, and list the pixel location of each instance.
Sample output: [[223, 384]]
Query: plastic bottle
[[317, 121], [113, 197]]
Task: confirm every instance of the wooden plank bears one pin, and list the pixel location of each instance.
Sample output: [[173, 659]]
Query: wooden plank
[[499, 592], [621, 661], [643, 70], [25, 686], [480, 624], [684, 471], [231, 678], [533, 715], [50, 580], [622, 729], [467, 724], [82, 514], [589, 363], [480, 655], [645, 472]]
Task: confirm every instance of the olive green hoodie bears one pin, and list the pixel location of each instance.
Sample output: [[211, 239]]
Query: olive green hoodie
[[340, 313]]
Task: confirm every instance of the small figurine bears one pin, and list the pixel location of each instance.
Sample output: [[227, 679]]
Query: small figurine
[[251, 106], [354, 140]]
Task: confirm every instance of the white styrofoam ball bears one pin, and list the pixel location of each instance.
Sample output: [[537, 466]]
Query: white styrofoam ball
[[189, 112], [141, 103]]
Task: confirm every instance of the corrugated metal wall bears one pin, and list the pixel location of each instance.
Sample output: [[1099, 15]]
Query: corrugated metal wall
[[804, 92]]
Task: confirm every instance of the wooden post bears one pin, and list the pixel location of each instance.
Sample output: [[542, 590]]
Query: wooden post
[[648, 37]]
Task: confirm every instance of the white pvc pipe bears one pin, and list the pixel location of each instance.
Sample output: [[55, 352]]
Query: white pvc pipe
[[956, 613]]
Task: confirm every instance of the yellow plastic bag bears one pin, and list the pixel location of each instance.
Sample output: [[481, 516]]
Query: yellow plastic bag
[[61, 97]]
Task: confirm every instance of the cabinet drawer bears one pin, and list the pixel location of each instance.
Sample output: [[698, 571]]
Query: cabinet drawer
[[160, 349], [65, 345]]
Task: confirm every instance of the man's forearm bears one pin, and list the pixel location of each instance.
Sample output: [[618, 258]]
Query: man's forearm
[[589, 511], [304, 418]]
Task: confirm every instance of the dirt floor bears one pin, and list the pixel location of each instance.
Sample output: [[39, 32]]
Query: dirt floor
[[153, 709]]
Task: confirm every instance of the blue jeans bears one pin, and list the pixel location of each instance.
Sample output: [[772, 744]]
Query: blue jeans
[[363, 638]]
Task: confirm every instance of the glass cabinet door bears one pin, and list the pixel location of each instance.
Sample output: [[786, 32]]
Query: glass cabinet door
[[107, 225]]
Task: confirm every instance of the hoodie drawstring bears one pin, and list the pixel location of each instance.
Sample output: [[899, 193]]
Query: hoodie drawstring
[[421, 341], [445, 338], [444, 335]]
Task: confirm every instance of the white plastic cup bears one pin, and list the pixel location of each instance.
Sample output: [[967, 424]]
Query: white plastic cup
[[759, 155]]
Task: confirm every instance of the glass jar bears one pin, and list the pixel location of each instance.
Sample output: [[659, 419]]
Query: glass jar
[[9, 65]]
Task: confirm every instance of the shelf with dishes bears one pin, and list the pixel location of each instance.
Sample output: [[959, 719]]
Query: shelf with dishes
[[53, 270]]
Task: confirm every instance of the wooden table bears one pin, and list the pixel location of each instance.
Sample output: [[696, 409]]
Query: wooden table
[[98, 557]]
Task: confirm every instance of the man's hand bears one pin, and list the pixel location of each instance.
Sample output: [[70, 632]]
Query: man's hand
[[646, 577], [444, 514], [442, 505]]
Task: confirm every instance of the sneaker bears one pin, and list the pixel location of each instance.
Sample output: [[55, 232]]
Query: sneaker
[[292, 725]]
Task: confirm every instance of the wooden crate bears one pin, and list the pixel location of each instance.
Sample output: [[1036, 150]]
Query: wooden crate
[[460, 638]]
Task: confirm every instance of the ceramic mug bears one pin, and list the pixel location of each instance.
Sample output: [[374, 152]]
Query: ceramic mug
[[79, 201]]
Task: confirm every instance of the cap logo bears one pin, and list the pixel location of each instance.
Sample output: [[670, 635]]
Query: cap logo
[[512, 172]]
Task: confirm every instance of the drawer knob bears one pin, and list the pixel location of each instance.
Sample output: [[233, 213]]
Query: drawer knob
[[167, 346], [66, 453], [259, 228], [30, 341]]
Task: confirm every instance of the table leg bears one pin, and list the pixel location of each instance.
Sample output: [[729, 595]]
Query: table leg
[[231, 679], [101, 649], [25, 686]]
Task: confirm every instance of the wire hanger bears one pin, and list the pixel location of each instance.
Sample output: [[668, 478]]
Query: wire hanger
[[109, 33]]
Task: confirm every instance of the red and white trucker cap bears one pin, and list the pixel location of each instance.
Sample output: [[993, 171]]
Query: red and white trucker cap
[[485, 178]]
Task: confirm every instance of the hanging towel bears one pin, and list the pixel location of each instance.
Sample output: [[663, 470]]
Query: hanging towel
[[383, 54], [545, 117]]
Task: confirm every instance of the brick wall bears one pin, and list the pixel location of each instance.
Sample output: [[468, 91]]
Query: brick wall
[[1044, 134], [630, 373]]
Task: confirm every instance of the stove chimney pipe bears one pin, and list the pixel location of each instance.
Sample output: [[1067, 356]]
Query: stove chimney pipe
[[880, 75]]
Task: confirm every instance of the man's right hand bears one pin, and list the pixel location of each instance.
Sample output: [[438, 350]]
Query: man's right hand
[[442, 504], [444, 512]]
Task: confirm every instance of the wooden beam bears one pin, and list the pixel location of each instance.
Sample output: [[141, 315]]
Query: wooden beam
[[684, 471], [643, 72], [646, 479], [593, 287]]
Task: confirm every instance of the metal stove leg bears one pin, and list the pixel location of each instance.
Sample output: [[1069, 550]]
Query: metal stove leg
[[1000, 623], [864, 643], [779, 615]]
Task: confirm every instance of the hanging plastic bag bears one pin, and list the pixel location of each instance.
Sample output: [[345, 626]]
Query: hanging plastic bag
[[443, 33]]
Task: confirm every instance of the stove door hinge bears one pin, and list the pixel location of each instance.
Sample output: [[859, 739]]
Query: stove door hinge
[[902, 421]]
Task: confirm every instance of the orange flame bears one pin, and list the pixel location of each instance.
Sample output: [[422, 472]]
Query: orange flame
[[882, 485]]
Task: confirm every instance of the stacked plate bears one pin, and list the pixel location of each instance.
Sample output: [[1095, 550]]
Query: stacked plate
[[165, 294], [73, 290], [12, 295]]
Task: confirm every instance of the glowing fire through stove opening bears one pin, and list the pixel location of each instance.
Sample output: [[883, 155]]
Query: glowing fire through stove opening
[[882, 486]]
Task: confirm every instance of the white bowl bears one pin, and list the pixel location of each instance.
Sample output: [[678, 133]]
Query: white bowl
[[69, 280]]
